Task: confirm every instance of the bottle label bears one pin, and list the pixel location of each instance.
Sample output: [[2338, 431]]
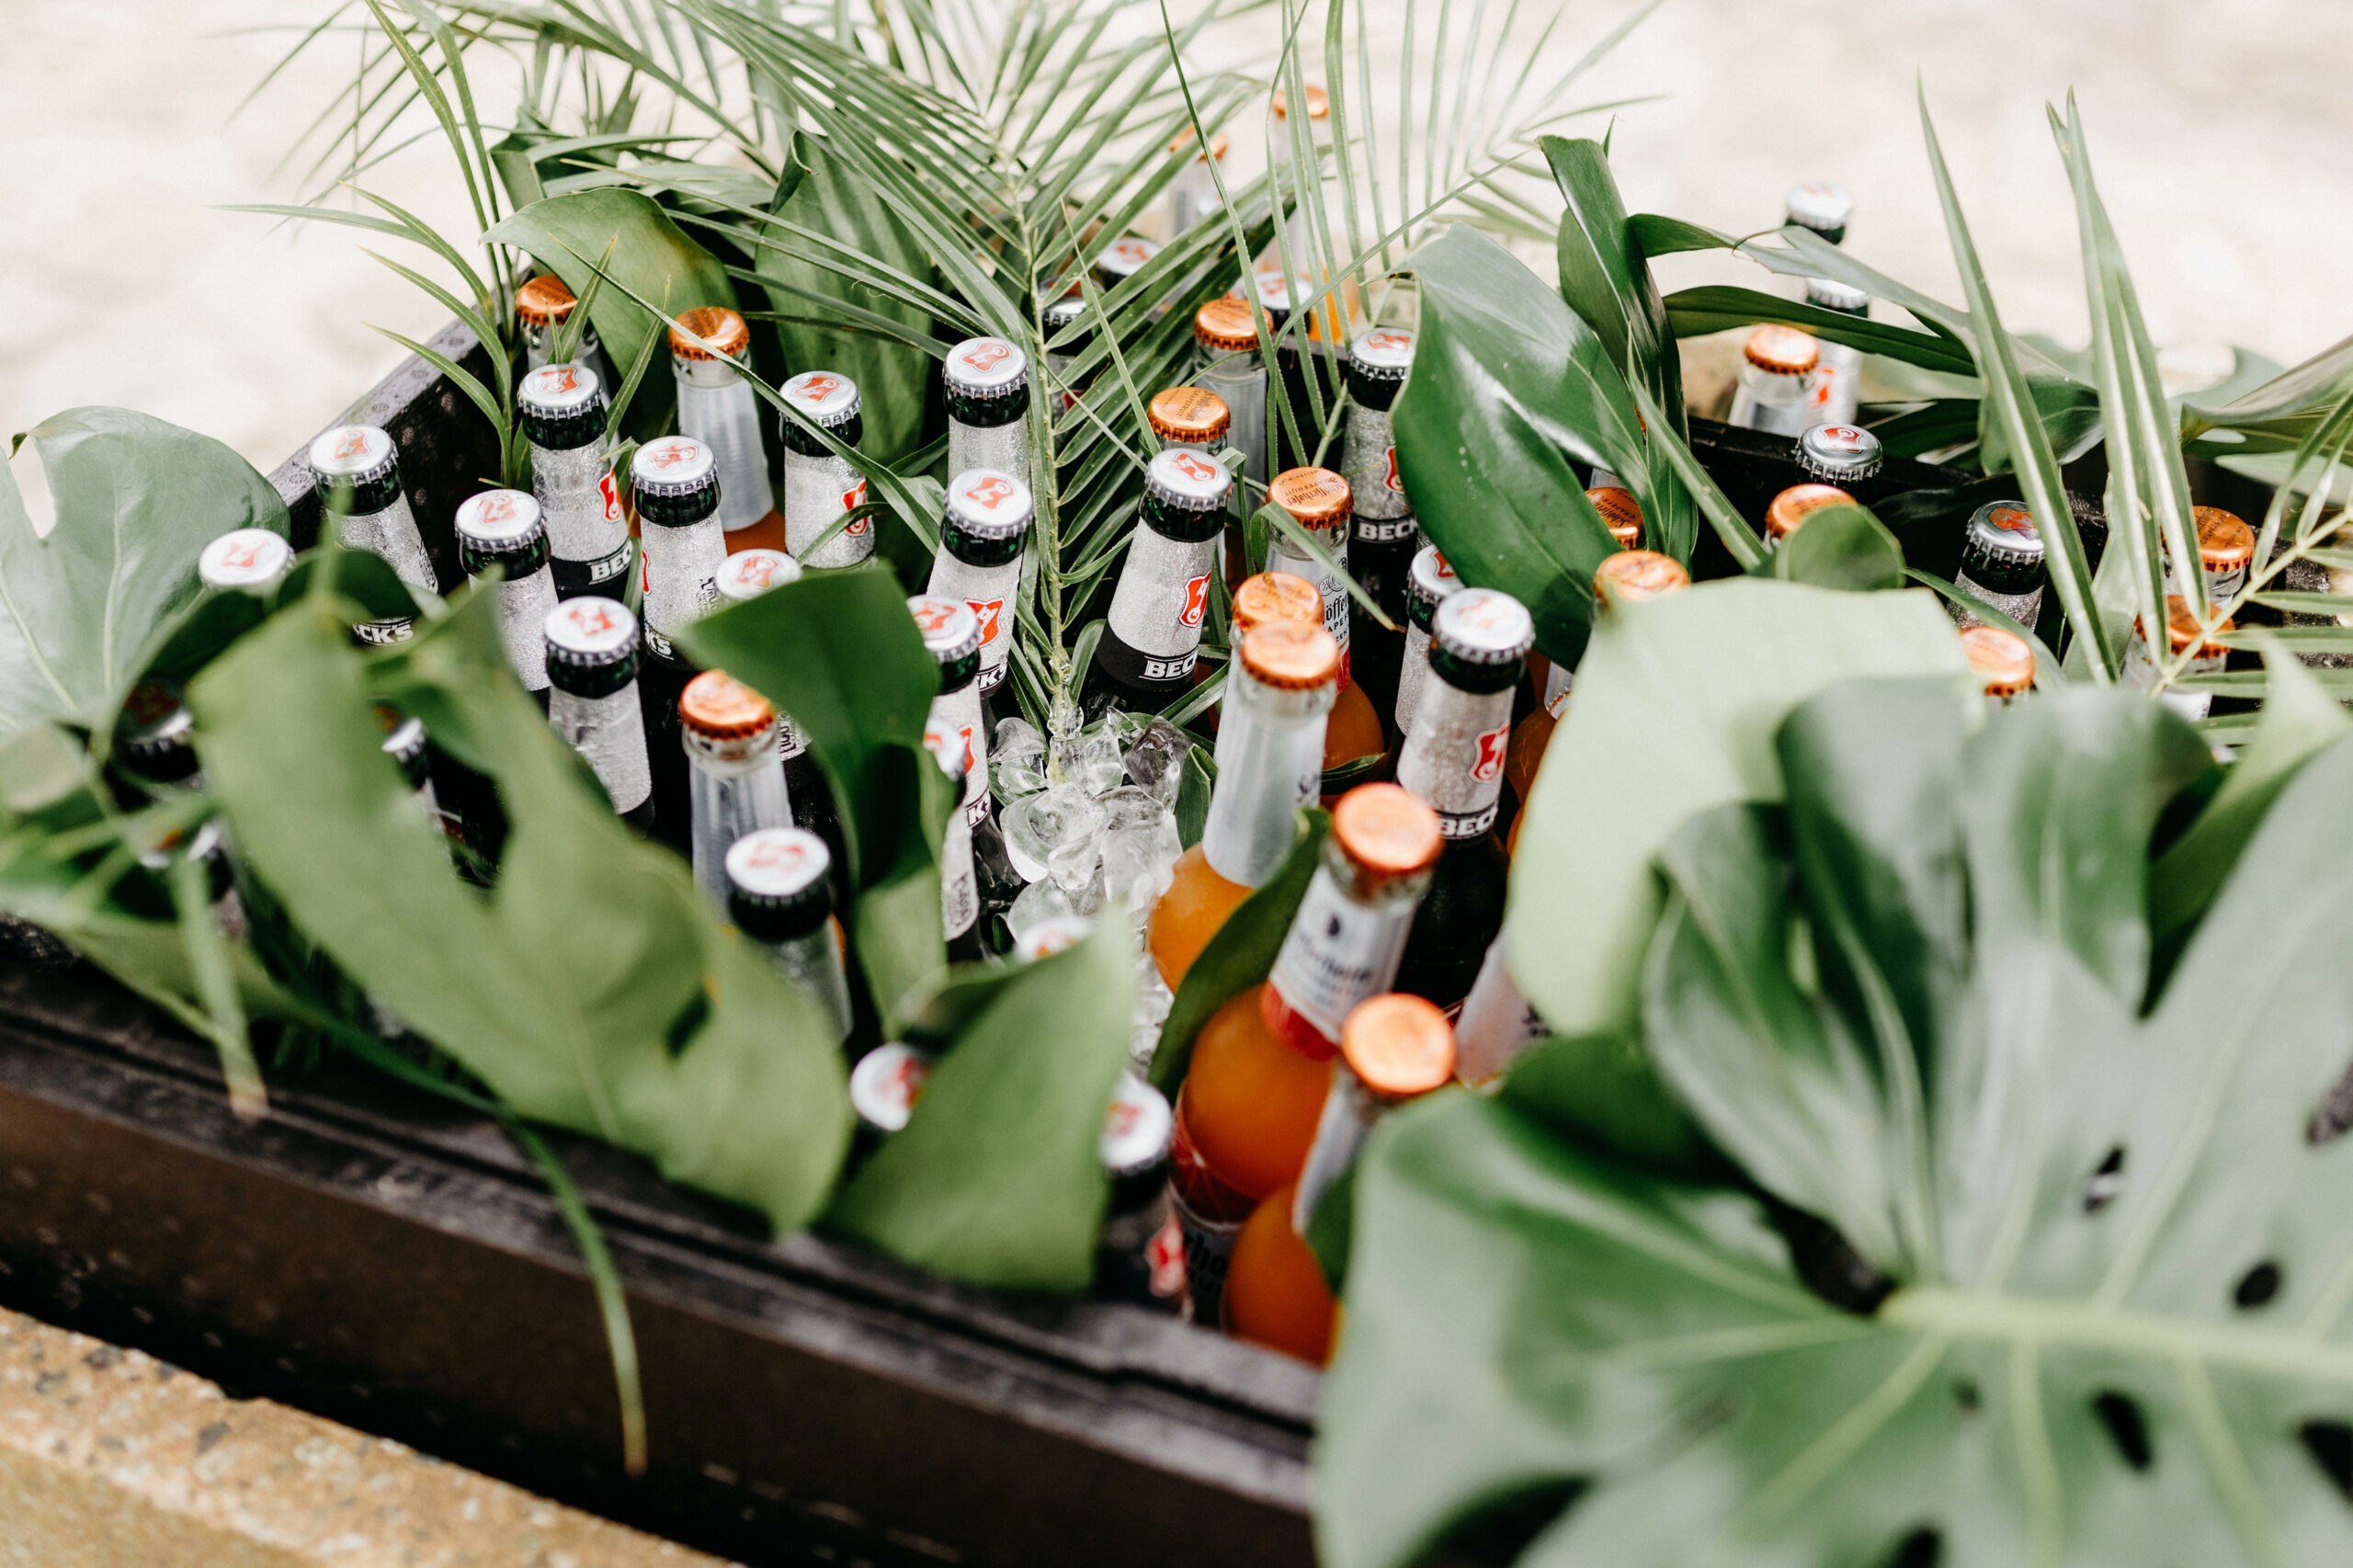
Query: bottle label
[[612, 494], [1383, 530], [1368, 462], [1338, 953], [1161, 600], [991, 594], [1454, 756], [686, 587], [1496, 1023], [790, 740], [1281, 556], [818, 491], [381, 634]]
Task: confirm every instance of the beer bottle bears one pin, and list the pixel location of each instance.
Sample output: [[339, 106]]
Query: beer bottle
[[563, 413], [1453, 761], [2001, 562], [1060, 315], [818, 486], [1384, 537], [954, 734], [1497, 1024], [542, 305], [982, 536], [1838, 393], [988, 410], [715, 407], [1192, 418], [735, 781], [1821, 206], [1123, 259], [2183, 633], [1192, 195], [404, 743], [2225, 548], [1231, 367], [1317, 499], [1153, 633], [592, 656], [503, 528], [1261, 1065], [358, 477], [1776, 389], [883, 1088], [675, 481], [779, 894], [2002, 661], [1847, 456], [1134, 1261], [1393, 1049], [1429, 582], [1793, 506], [1269, 759], [154, 739], [747, 574], [252, 559]]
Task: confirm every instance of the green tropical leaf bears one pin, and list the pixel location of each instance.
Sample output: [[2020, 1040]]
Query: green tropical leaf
[[1855, 553], [1718, 307], [137, 500]]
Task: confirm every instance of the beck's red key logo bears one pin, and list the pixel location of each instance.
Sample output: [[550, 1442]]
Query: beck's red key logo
[[1392, 482], [818, 388], [852, 499], [988, 492], [673, 452], [1198, 470], [612, 494], [987, 355], [989, 613], [754, 568], [1197, 600], [241, 557], [352, 445], [1492, 746]]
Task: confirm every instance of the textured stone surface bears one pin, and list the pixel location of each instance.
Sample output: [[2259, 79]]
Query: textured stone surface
[[110, 1459]]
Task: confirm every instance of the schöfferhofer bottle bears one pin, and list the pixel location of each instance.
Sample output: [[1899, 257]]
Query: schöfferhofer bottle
[[735, 781], [716, 408]]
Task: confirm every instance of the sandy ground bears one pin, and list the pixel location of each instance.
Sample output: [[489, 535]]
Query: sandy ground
[[2220, 129]]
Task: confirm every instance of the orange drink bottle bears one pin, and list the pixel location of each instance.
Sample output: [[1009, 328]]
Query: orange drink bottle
[[1269, 757], [1321, 503], [2003, 663], [1393, 1049], [1263, 1062], [1623, 515]]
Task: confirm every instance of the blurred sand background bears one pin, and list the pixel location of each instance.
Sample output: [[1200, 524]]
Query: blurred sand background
[[2220, 128]]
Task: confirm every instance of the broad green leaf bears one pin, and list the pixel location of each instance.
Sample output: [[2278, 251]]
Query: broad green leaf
[[137, 501], [816, 201], [1676, 704], [1601, 1092], [1241, 954], [650, 257], [1604, 277], [593, 987], [1840, 546], [2127, 1346], [1508, 387], [996, 1179]]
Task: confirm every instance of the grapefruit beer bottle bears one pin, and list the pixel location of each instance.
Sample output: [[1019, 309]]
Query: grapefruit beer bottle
[[2225, 548], [1231, 367], [251, 559], [542, 305], [747, 574], [1454, 763], [563, 411], [2001, 562], [779, 894], [1383, 534], [1269, 760], [358, 477], [1153, 635], [1629, 575], [2002, 661], [1776, 391], [1793, 506], [2183, 633], [503, 528], [1393, 1049], [988, 407], [1193, 418], [954, 734], [592, 653], [1428, 583], [735, 780], [1279, 596], [1317, 500], [715, 407], [1263, 1062], [818, 486], [982, 535]]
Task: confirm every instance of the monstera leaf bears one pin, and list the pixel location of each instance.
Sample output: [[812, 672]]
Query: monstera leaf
[[2094, 1240], [594, 988]]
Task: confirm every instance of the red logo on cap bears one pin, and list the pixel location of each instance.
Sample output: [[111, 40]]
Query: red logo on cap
[[906, 1080], [988, 492], [1492, 746], [589, 621], [853, 498], [987, 612], [673, 452], [776, 854], [241, 557], [2016, 520], [1193, 467], [989, 355], [1131, 251], [561, 378], [1197, 600], [352, 445], [819, 387], [1389, 340], [498, 507], [754, 568], [1392, 482]]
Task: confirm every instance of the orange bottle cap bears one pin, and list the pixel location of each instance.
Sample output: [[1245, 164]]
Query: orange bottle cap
[[1632, 575], [1791, 506], [544, 300], [1319, 104], [1226, 326], [1276, 596], [1621, 512], [1189, 413], [1386, 829], [2225, 541], [1783, 350], [2182, 628], [2002, 659], [1290, 655], [1184, 139], [715, 325], [717, 705], [1317, 497], [1399, 1045]]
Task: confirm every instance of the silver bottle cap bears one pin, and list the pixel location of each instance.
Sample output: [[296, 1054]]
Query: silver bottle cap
[[244, 558], [1839, 454], [1483, 626], [356, 453], [748, 574], [1187, 480], [1384, 354], [986, 367], [1820, 206], [1430, 578], [950, 630], [557, 391], [2006, 528], [776, 865], [1126, 256], [1138, 1129], [886, 1083], [590, 633], [674, 465], [156, 721], [989, 503], [1833, 295], [828, 398], [499, 520]]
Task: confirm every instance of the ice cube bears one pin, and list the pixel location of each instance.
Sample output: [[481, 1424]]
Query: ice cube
[[1097, 764], [1077, 868], [1155, 759], [1140, 861], [1017, 759], [1130, 807], [1153, 996], [1040, 900], [1037, 825]]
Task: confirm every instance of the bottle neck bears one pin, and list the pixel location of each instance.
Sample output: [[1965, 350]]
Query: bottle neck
[[1271, 762], [1453, 758], [1343, 949], [709, 374]]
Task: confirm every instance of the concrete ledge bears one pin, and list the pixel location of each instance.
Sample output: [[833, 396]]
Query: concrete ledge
[[110, 1459]]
